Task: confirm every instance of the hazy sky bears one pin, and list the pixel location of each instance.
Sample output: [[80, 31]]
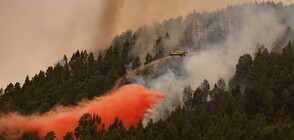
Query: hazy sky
[[35, 34]]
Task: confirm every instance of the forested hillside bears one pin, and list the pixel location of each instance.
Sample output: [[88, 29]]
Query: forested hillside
[[264, 110], [253, 100], [81, 76]]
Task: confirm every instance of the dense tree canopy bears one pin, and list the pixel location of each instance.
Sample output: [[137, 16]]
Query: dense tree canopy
[[263, 110], [257, 104], [68, 81]]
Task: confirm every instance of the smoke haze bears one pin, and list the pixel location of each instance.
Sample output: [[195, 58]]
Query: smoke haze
[[253, 24], [35, 34]]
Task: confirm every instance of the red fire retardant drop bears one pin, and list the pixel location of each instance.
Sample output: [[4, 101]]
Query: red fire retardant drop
[[128, 103]]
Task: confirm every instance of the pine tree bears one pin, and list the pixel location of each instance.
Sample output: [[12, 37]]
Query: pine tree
[[136, 63]]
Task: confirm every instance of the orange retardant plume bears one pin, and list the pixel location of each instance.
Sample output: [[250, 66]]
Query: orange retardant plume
[[128, 103]]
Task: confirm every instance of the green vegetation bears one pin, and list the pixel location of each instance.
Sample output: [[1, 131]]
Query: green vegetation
[[69, 81], [263, 110], [257, 104]]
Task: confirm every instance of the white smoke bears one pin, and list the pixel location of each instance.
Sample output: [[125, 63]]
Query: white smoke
[[256, 25]]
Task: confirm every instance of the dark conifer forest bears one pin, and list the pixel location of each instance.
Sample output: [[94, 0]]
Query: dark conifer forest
[[257, 102]]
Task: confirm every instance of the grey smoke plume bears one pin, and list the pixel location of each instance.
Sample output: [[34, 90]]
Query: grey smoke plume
[[35, 34], [250, 24]]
